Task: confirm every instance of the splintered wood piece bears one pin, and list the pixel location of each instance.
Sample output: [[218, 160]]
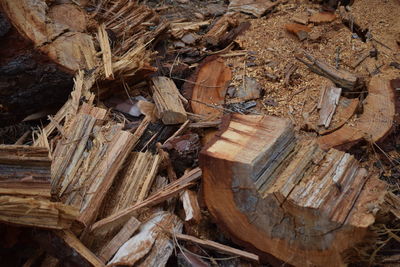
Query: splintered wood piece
[[150, 242], [169, 191], [36, 212], [179, 29], [285, 198], [219, 247], [220, 28], [76, 245], [25, 170], [119, 239], [191, 206], [106, 51], [210, 84], [374, 123], [86, 164], [136, 178], [254, 7], [329, 99], [322, 17], [341, 78], [168, 101], [345, 110], [301, 31]]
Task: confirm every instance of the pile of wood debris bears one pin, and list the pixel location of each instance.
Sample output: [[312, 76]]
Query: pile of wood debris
[[168, 135]]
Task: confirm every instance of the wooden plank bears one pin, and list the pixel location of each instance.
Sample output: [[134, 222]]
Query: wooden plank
[[169, 191], [119, 239], [168, 101]]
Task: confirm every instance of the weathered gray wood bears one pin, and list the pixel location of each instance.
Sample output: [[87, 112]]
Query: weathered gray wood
[[329, 100]]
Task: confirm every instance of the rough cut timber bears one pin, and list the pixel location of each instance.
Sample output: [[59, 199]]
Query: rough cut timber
[[207, 87], [328, 102], [151, 242], [285, 198], [375, 123], [25, 171], [168, 101], [36, 212], [341, 78], [42, 47]]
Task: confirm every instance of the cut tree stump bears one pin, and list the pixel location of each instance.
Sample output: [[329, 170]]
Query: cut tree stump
[[39, 51], [373, 125], [283, 197]]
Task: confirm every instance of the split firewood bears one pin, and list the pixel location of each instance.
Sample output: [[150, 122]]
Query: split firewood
[[207, 87], [254, 7], [166, 193], [341, 78], [374, 124], [150, 245], [119, 239], [25, 171], [41, 39], [289, 199], [219, 29], [191, 206], [219, 247], [327, 104], [168, 101], [36, 212]]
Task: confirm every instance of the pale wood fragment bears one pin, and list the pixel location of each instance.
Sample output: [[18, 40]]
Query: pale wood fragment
[[217, 246], [329, 100], [168, 101], [150, 242], [119, 239], [191, 206], [106, 51]]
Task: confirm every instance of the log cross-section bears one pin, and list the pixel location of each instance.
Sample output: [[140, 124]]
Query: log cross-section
[[283, 197]]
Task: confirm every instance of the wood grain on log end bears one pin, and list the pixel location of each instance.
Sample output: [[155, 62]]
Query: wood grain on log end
[[286, 198]]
